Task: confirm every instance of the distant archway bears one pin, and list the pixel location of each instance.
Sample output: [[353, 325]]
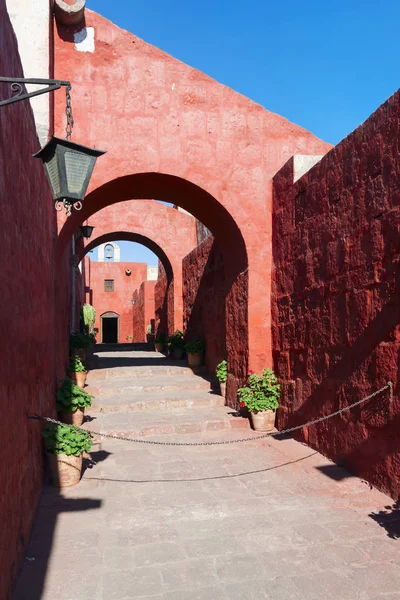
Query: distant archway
[[109, 328], [202, 205]]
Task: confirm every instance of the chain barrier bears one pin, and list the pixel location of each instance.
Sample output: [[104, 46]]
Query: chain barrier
[[389, 386], [68, 112]]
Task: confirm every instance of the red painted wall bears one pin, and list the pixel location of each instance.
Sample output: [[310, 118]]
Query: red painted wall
[[32, 352], [336, 296], [119, 301], [204, 300], [143, 310], [172, 133]]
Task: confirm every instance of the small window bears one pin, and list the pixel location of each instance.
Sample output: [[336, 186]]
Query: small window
[[109, 285]]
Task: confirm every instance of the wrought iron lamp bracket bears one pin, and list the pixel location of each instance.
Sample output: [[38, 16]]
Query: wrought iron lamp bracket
[[18, 83]]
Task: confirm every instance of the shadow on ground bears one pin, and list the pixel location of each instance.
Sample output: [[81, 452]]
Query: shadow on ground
[[389, 519]]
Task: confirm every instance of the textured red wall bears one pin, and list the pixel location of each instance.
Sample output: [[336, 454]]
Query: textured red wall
[[172, 133], [204, 300], [31, 350], [336, 332], [143, 310], [119, 301]]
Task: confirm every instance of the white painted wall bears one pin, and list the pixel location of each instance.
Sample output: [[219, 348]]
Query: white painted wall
[[303, 163], [30, 21], [152, 273], [117, 252]]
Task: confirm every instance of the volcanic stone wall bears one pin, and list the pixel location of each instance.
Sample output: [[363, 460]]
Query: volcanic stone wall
[[204, 299], [336, 310], [33, 352]]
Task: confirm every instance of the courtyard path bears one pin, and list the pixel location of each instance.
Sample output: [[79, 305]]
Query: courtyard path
[[266, 519]]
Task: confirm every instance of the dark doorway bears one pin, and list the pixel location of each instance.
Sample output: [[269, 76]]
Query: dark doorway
[[109, 328]]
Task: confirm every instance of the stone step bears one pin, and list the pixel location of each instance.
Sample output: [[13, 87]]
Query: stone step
[[163, 370], [123, 385], [174, 421], [157, 400]]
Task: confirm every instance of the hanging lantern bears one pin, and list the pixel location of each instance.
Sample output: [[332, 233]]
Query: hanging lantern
[[86, 231], [68, 167]]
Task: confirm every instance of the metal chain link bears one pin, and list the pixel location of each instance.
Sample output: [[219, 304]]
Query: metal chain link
[[389, 386], [68, 112]]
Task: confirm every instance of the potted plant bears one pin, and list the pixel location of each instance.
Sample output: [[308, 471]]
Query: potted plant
[[149, 334], [76, 371], [78, 343], [89, 317], [159, 342], [176, 345], [222, 375], [72, 401], [64, 447], [195, 350], [261, 398]]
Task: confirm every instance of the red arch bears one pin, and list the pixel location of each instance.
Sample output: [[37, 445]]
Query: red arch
[[129, 236]]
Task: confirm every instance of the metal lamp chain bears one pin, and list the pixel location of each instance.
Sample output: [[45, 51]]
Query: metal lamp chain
[[68, 112]]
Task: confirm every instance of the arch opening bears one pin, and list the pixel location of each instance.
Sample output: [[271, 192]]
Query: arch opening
[[233, 293]]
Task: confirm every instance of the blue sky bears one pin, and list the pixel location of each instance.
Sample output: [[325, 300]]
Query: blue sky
[[323, 65]]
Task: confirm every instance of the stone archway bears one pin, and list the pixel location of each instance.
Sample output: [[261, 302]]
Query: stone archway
[[172, 133], [169, 233], [168, 292], [220, 223]]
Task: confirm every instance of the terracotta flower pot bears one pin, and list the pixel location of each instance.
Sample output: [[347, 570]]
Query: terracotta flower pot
[[263, 421], [177, 354], [78, 377], [195, 360], [222, 386], [159, 346], [65, 470], [73, 418]]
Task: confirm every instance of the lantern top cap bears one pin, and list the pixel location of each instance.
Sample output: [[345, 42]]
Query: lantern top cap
[[48, 149]]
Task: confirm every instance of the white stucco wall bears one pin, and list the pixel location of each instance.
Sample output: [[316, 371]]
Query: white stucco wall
[[303, 163], [152, 273], [30, 21], [101, 252]]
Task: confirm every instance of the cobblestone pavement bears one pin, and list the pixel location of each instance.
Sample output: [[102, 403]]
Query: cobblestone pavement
[[266, 519]]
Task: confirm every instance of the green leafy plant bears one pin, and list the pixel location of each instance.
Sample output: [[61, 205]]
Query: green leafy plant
[[89, 317], [261, 392], [222, 371], [196, 347], [93, 337], [149, 329], [75, 364], [70, 397], [79, 340], [64, 439], [176, 341], [160, 338]]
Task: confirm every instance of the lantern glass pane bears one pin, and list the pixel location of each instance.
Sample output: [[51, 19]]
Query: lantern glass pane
[[77, 167], [53, 175]]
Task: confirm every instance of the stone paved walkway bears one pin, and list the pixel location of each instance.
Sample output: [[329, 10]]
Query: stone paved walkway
[[268, 519]]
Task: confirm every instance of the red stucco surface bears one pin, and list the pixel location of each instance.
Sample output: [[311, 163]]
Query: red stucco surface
[[143, 310], [172, 133], [118, 301], [32, 351], [169, 233], [204, 300], [336, 304]]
